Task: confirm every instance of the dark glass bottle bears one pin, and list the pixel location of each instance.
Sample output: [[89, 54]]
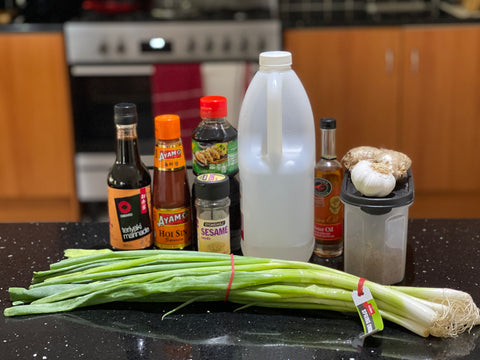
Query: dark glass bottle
[[214, 150], [129, 186]]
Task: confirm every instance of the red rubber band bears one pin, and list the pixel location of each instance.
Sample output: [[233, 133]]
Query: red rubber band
[[231, 277], [360, 286]]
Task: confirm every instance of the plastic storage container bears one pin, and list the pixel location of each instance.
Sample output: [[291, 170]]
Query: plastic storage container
[[276, 158], [375, 243]]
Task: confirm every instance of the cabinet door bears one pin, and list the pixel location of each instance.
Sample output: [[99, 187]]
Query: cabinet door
[[441, 108], [352, 75], [36, 116], [36, 137], [7, 140]]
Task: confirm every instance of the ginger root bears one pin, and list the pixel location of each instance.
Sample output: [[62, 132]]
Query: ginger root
[[398, 162]]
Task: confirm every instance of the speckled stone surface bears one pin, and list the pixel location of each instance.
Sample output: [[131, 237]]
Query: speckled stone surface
[[441, 253]]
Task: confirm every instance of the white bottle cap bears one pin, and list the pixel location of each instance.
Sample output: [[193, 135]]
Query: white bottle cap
[[275, 58]]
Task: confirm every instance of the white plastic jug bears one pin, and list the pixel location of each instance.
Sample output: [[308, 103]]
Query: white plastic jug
[[276, 159]]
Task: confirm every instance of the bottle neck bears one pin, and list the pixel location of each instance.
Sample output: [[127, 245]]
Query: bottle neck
[[217, 203], [126, 146], [328, 144], [270, 68], [214, 121], [169, 142]]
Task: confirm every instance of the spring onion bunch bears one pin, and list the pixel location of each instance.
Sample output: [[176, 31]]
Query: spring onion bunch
[[91, 277]]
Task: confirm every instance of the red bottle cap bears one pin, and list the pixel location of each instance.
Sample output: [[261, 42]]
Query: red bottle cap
[[212, 107]]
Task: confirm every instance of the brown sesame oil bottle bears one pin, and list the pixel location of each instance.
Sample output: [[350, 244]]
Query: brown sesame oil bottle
[[328, 225]]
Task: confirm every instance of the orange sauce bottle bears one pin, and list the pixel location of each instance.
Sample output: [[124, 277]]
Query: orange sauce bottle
[[171, 213]]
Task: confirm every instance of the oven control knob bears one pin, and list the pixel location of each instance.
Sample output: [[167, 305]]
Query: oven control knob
[[209, 45], [103, 48], [243, 44], [121, 48], [191, 46], [262, 44], [226, 46]]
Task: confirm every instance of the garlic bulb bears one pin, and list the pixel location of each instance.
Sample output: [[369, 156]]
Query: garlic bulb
[[373, 179]]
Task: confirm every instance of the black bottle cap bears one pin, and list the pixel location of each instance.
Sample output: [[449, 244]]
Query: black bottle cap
[[328, 123], [125, 114], [212, 186]]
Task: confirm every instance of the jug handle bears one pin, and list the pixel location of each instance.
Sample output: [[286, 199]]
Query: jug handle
[[274, 117]]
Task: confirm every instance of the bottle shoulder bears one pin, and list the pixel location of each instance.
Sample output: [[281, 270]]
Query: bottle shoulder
[[328, 164], [128, 176], [214, 130]]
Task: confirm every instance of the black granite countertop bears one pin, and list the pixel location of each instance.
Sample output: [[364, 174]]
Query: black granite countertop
[[441, 253]]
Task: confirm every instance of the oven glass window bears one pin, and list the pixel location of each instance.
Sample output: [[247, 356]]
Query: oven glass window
[[93, 101]]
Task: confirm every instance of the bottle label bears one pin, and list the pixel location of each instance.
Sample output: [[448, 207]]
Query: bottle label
[[214, 235], [216, 157], [323, 187], [130, 225], [169, 157], [172, 229], [328, 231], [367, 310], [328, 211]]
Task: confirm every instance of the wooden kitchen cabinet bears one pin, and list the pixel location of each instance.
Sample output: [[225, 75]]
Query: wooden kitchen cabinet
[[37, 180], [350, 74], [414, 89], [440, 125]]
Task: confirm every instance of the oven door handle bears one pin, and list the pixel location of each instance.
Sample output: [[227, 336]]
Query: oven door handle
[[111, 70]]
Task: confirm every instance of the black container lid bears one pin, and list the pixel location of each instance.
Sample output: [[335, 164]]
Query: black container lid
[[402, 195], [212, 186], [125, 114]]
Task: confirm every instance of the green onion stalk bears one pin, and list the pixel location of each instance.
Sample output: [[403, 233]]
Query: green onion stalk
[[92, 277]]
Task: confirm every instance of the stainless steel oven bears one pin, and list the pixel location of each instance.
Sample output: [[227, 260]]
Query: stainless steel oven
[[113, 61]]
